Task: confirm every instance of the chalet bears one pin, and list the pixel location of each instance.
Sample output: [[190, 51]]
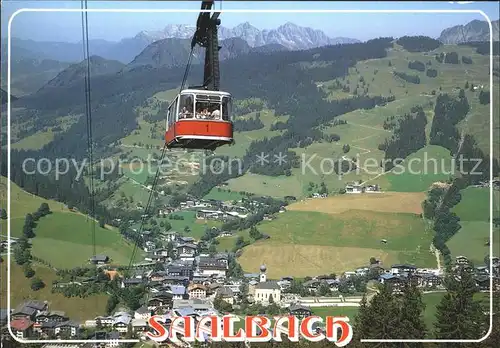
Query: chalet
[[155, 258], [226, 234], [178, 292], [299, 311], [180, 271], [268, 217], [355, 187], [66, 328], [312, 285], [461, 260], [99, 259], [209, 267], [398, 269], [234, 286], [197, 291], [46, 329], [170, 236], [395, 282], [139, 325], [22, 328], [142, 313], [160, 252], [131, 282], [163, 299], [53, 316], [226, 294], [121, 322], [186, 251], [372, 188], [431, 280]]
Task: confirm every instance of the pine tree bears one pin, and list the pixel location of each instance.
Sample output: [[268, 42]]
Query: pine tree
[[411, 324], [380, 320], [458, 315]]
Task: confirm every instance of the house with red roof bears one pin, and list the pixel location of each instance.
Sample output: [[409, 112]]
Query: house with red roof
[[22, 327]]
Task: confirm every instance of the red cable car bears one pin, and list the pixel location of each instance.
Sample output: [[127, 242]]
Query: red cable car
[[199, 119]]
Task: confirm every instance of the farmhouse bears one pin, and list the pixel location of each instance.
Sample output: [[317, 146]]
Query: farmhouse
[[354, 188], [99, 259], [299, 311]]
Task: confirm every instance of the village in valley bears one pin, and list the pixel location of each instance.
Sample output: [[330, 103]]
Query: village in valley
[[316, 176], [183, 276]]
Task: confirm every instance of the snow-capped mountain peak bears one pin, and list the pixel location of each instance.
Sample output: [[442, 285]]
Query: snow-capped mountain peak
[[290, 35]]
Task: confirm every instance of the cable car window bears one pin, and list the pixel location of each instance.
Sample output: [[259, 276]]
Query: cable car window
[[186, 106], [174, 109], [226, 108], [207, 109]]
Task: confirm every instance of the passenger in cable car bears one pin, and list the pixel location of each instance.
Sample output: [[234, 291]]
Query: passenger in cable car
[[183, 113], [216, 113]]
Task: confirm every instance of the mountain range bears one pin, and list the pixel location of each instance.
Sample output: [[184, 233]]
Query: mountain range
[[289, 35], [473, 31], [35, 63]]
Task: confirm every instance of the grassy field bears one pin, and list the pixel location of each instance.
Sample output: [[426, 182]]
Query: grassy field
[[419, 170], [311, 243], [22, 203], [389, 202], [71, 236], [78, 309], [474, 210], [197, 227], [63, 238]]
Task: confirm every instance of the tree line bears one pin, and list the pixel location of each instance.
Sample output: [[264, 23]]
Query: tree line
[[418, 43], [408, 137], [22, 251]]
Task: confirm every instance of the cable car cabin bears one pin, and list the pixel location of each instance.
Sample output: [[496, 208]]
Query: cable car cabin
[[199, 119]]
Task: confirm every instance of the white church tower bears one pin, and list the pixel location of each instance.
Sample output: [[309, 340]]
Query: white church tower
[[263, 277]]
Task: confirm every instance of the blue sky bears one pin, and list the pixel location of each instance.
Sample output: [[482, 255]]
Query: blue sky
[[53, 26]]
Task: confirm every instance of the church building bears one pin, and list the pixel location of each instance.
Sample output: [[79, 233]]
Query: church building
[[265, 289]]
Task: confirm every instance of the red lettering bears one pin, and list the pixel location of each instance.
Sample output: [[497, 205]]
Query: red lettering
[[262, 323], [158, 327], [228, 328], [292, 331], [306, 329], [333, 324]]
